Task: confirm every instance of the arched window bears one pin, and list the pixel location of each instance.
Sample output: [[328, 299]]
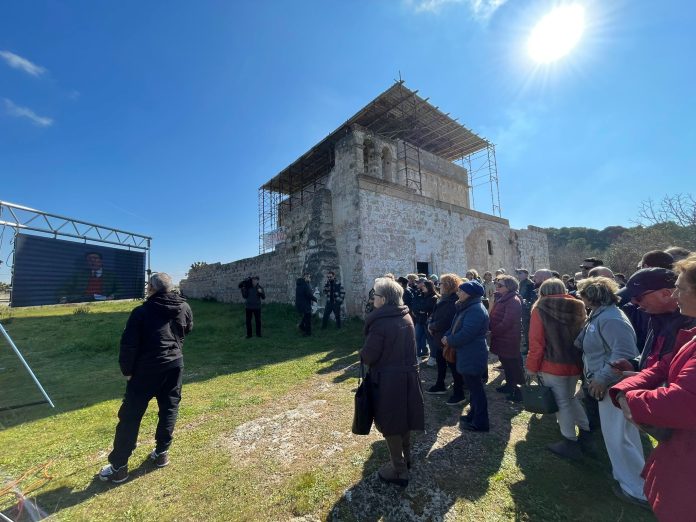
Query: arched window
[[387, 172], [368, 155]]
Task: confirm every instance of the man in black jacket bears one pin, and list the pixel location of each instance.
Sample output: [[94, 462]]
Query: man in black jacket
[[253, 293], [303, 302], [333, 290], [151, 359]]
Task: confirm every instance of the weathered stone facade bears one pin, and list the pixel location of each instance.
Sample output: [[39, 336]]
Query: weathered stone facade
[[368, 220]]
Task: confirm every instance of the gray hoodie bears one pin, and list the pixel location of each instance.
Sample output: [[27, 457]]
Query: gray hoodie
[[606, 336]]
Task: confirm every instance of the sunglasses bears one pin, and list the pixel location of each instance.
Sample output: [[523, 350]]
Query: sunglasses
[[378, 295], [640, 297]]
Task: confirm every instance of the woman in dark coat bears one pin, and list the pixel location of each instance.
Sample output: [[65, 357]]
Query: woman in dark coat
[[390, 353], [303, 303], [438, 323], [506, 331], [468, 337]]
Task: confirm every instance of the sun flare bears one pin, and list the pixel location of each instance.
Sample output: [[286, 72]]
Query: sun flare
[[557, 33]]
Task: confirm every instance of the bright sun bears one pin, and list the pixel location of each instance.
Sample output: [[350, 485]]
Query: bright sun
[[557, 33]]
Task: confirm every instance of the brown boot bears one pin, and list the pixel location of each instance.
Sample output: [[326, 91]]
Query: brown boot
[[395, 472]]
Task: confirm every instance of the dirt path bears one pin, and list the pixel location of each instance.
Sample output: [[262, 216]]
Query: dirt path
[[310, 429]]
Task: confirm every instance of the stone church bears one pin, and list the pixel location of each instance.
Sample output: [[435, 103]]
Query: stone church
[[388, 191]]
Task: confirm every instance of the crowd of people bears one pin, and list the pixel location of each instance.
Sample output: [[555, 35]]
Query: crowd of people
[[618, 354]]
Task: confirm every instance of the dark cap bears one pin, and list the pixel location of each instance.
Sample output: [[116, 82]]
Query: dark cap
[[647, 280], [522, 271], [473, 288]]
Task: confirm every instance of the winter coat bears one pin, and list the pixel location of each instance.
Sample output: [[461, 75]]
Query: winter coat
[[669, 470], [390, 353], [422, 307], [555, 323], [333, 290], [527, 293], [153, 339], [467, 336], [441, 319], [665, 335], [254, 296], [506, 325], [408, 298], [303, 296], [606, 336]]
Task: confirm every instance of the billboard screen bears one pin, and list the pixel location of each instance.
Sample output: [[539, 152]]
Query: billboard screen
[[52, 271]]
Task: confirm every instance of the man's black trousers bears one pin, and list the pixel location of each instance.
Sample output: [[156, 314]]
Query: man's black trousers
[[166, 388], [306, 323], [330, 308], [257, 318]]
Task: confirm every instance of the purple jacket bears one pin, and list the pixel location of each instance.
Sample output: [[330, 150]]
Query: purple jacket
[[506, 325]]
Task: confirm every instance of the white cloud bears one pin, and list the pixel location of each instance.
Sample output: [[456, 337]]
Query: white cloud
[[480, 9], [24, 112], [17, 62]]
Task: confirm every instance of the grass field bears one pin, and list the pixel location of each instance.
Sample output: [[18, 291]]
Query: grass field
[[263, 434]]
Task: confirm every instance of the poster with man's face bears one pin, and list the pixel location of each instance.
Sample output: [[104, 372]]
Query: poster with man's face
[[53, 271]]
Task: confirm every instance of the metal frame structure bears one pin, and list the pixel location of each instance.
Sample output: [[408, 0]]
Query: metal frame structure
[[25, 218], [482, 169], [397, 114]]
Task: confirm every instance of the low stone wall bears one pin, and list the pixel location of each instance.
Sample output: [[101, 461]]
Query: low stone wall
[[221, 281]]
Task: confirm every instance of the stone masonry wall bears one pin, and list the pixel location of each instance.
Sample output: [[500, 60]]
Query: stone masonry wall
[[400, 228], [532, 248], [220, 281]]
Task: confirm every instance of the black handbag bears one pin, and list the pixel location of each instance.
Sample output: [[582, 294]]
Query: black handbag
[[538, 398], [364, 412]]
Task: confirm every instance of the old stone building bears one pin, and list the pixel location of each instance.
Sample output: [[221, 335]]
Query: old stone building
[[388, 191]]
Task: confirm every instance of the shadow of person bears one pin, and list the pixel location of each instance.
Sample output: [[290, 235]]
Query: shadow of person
[[558, 489], [63, 497]]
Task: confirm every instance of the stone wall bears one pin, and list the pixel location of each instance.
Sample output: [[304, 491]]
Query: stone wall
[[532, 248], [220, 281], [310, 245]]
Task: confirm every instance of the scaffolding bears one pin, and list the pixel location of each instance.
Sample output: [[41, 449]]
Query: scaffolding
[[482, 170], [400, 115], [408, 159]]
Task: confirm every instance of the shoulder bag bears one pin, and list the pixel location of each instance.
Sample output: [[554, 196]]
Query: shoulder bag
[[538, 398], [364, 412]]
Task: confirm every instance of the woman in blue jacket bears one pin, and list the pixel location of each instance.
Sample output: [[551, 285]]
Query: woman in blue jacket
[[468, 337]]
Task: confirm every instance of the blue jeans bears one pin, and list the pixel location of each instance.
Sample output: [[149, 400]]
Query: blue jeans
[[421, 338], [477, 401]]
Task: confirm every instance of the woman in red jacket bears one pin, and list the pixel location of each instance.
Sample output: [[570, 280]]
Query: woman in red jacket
[[555, 322], [662, 401], [506, 330]]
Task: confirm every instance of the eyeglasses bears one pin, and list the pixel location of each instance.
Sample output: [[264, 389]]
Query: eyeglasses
[[499, 285], [640, 297], [586, 267]]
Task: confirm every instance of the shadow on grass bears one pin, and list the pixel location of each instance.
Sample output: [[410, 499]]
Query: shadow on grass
[[556, 489], [63, 497], [75, 356], [446, 466]]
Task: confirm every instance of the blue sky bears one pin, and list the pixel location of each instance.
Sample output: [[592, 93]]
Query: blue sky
[[165, 117]]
